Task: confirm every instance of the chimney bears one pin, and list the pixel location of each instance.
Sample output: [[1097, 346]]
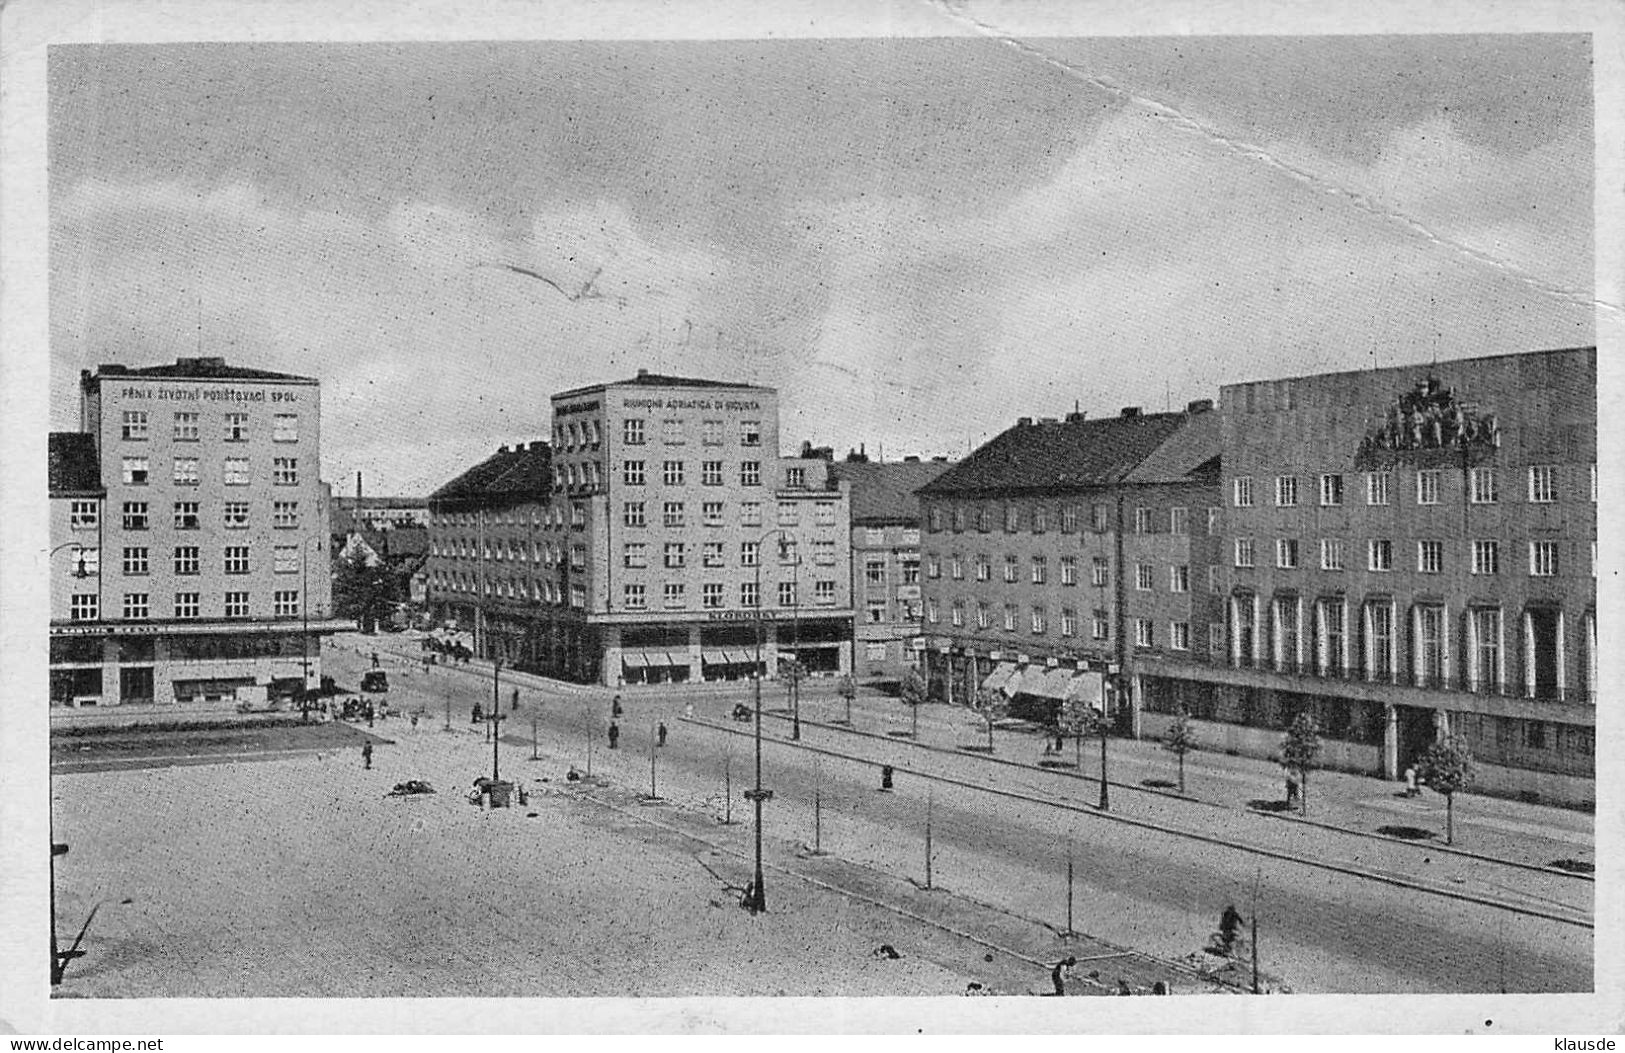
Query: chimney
[[1049, 420], [643, 372], [1199, 406], [1024, 422], [358, 488], [912, 459], [1131, 411], [939, 460], [1075, 416]]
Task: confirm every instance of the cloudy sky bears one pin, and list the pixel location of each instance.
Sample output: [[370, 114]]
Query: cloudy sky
[[916, 240]]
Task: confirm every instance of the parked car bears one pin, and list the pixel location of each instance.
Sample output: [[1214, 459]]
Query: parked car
[[375, 681]]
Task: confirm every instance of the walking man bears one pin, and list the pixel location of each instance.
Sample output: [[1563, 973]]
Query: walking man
[[1061, 971], [660, 733], [614, 736], [515, 700], [615, 707], [366, 755], [375, 659]]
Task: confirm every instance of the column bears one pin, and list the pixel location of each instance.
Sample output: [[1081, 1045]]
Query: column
[[1474, 675], [1390, 742], [1258, 642], [696, 667], [1445, 636], [1136, 703], [1562, 657], [1528, 655], [1368, 636], [1591, 656], [1348, 637], [1235, 630], [1418, 649]]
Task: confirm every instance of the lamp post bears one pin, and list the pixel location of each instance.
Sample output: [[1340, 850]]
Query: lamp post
[[797, 670], [304, 635], [496, 713], [756, 901]]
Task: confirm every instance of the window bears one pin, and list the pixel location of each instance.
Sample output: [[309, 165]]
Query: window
[[83, 515], [1179, 521], [671, 431], [632, 435], [1286, 491], [787, 594], [1100, 626], [824, 513], [236, 559], [911, 569], [1145, 632], [1215, 638], [1142, 520], [1381, 555], [1286, 553], [931, 611], [1040, 621], [1542, 559], [711, 473], [1244, 551], [1100, 518], [673, 594], [1212, 522], [632, 473], [1430, 557], [675, 554], [1179, 636], [186, 472], [236, 605], [1099, 572], [1486, 643], [1242, 487], [1009, 617], [789, 513], [185, 427], [135, 471], [750, 553], [632, 514], [1427, 486], [635, 554], [711, 432], [234, 515], [874, 571], [1069, 622], [1040, 520], [284, 515], [749, 594], [1011, 569], [1486, 557], [1143, 573], [750, 473], [711, 554], [1333, 651], [1012, 519], [1040, 570], [87, 560], [136, 606], [236, 427], [285, 471], [1380, 641], [285, 427], [788, 555], [1069, 571], [750, 513], [1331, 553], [750, 433], [959, 521], [1179, 578], [1542, 484], [795, 478], [874, 536], [284, 559], [187, 516], [135, 425], [711, 594], [1331, 490], [186, 604], [235, 471], [956, 613], [1376, 487], [634, 596], [135, 561], [1431, 644], [1069, 519], [1483, 487], [984, 520], [933, 567], [671, 514], [84, 607], [671, 473], [1215, 581]]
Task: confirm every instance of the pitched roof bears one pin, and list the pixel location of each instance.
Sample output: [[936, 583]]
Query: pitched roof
[[645, 379], [73, 467], [883, 492], [1191, 452], [512, 474], [1059, 455], [201, 369]]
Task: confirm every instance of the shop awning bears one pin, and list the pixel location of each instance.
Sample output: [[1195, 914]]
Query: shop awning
[[1012, 687], [715, 657], [634, 659], [1046, 683], [741, 657], [1088, 688], [1000, 676]]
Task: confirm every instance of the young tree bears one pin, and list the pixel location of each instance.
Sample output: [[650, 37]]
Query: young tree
[[363, 591], [1446, 767], [849, 690], [990, 706], [1075, 720], [1300, 751], [913, 691], [1180, 740]]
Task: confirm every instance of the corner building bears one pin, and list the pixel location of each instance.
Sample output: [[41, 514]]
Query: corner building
[[201, 576], [1411, 554]]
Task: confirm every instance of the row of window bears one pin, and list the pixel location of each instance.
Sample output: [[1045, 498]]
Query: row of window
[[1038, 618], [234, 471], [874, 569], [712, 513], [136, 560], [541, 590], [1485, 556], [136, 426], [1099, 569], [136, 515], [588, 434], [674, 594], [1483, 487], [635, 554], [86, 607], [1039, 519], [675, 473]]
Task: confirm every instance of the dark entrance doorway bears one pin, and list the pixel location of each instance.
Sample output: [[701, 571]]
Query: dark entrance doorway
[[135, 686], [1416, 734], [1543, 633]]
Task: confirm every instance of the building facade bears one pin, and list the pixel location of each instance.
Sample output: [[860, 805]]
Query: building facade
[[1411, 552], [671, 535], [209, 580], [888, 608], [1062, 551]]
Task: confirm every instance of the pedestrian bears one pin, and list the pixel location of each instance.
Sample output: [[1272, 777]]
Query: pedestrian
[[369, 714], [1060, 741], [1410, 782], [615, 707], [375, 659], [366, 755], [1061, 971], [660, 733], [478, 714], [614, 736], [688, 711], [516, 700], [1229, 928], [1291, 791]]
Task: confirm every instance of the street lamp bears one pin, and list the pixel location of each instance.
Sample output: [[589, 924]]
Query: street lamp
[[496, 713], [756, 900]]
